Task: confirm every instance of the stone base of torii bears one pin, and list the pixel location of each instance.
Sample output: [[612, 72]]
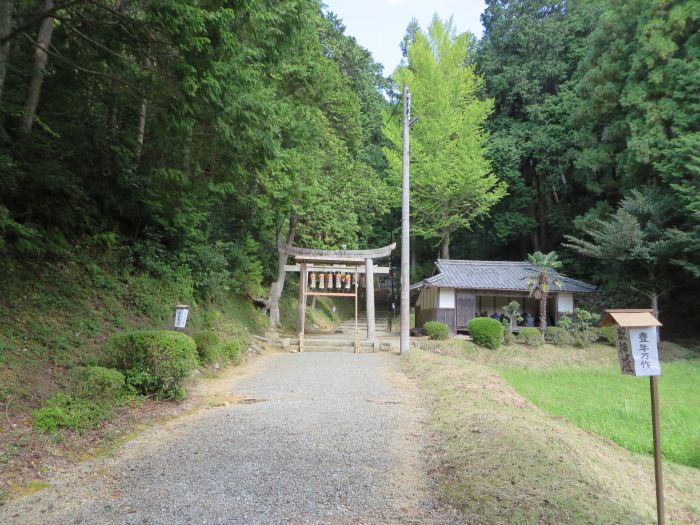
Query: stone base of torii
[[355, 261]]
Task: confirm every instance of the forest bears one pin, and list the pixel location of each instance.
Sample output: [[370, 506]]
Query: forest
[[186, 137]]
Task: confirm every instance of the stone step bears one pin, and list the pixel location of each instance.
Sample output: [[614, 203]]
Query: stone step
[[350, 349], [309, 341], [362, 326], [364, 321], [384, 347]]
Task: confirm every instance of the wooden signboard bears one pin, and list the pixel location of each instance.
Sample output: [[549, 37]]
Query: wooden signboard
[[638, 352]]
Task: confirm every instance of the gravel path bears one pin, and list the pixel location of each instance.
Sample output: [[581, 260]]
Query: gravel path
[[328, 438]]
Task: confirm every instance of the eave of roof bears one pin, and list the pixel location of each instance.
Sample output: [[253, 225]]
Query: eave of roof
[[507, 276]]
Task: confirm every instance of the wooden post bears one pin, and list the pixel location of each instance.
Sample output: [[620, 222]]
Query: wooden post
[[357, 326], [656, 430], [369, 295], [301, 315]]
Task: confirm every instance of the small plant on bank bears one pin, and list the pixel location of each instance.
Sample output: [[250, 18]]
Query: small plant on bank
[[486, 332], [558, 336], [508, 338], [156, 362], [437, 331], [63, 411], [231, 350], [580, 326], [206, 342], [97, 383], [608, 334], [511, 314], [531, 336]]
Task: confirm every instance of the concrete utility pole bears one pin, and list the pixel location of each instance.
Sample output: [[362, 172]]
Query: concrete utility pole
[[369, 289], [405, 272]]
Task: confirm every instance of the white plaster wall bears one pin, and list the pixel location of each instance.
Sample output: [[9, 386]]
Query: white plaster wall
[[565, 302], [447, 298]]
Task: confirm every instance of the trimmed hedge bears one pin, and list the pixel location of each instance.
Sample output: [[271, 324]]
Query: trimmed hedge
[[486, 332], [97, 383], [531, 336], [156, 362], [558, 336], [436, 330]]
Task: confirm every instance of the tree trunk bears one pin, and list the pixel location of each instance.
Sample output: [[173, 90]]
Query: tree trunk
[[529, 175], [277, 287], [5, 28], [445, 252], [654, 302], [543, 313], [540, 210], [313, 302], [142, 128], [41, 57], [112, 112]]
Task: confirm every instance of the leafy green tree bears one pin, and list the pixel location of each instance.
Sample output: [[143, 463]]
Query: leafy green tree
[[529, 56], [542, 279], [636, 242], [452, 184], [512, 313]]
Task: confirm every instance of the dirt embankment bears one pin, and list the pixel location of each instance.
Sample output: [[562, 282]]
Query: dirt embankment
[[502, 460]]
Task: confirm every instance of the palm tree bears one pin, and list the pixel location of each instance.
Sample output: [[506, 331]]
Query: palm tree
[[542, 278]]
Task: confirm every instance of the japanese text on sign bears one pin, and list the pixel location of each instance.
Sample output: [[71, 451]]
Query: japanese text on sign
[[638, 351], [181, 317]]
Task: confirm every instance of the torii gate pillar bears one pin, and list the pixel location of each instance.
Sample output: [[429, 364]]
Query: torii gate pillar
[[369, 289]]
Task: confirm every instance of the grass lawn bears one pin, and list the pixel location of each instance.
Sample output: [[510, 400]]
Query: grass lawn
[[500, 459], [604, 401]]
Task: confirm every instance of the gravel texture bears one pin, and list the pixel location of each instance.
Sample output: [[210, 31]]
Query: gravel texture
[[327, 438]]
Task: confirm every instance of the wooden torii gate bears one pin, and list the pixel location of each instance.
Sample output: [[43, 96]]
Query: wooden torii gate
[[356, 261]]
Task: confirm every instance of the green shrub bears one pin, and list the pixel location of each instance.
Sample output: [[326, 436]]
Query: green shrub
[[558, 336], [231, 350], [531, 336], [437, 331], [608, 333], [155, 362], [486, 332], [64, 411], [585, 338], [580, 326], [508, 337], [104, 385], [206, 344], [511, 316]]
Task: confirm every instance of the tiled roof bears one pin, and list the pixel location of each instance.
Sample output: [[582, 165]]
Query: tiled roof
[[495, 275]]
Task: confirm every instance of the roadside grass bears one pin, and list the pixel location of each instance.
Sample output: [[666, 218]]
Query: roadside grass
[[615, 406], [585, 386], [502, 460]]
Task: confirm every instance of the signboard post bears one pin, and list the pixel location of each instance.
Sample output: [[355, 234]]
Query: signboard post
[[638, 352], [181, 313]]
